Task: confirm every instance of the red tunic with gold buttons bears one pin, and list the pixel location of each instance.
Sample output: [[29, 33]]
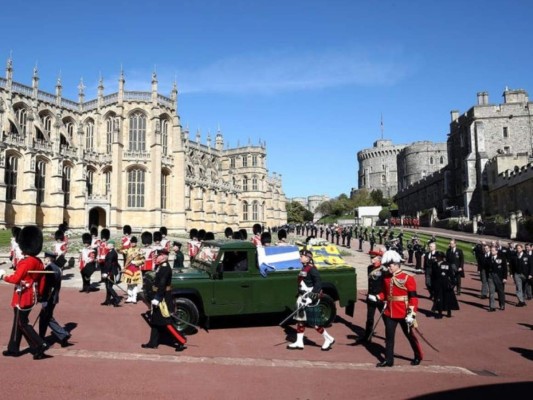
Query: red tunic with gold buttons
[[30, 284], [399, 291]]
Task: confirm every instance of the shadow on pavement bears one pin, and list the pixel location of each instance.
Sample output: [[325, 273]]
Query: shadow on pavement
[[501, 390]]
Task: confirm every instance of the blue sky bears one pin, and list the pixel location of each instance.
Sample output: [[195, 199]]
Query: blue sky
[[311, 78]]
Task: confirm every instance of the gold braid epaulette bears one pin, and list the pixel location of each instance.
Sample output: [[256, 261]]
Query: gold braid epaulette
[[400, 283]]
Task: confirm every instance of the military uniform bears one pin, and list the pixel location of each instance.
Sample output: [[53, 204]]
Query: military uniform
[[497, 276], [443, 279], [456, 259]]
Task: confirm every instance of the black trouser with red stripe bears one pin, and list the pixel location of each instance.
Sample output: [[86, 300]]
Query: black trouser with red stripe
[[21, 326], [390, 331]]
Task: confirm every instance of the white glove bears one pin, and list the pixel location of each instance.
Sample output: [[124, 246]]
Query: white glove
[[372, 297], [104, 276], [155, 302], [410, 318], [2, 273]]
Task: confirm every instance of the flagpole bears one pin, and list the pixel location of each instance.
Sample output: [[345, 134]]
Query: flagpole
[[381, 126]]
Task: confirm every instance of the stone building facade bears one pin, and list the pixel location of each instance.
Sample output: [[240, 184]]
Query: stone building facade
[[378, 167], [311, 202], [478, 135], [418, 160], [489, 148], [123, 158]]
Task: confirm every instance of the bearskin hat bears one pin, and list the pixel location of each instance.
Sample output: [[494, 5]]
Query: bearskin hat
[[201, 234], [105, 234], [209, 236], [133, 239], [163, 230], [146, 237], [244, 234], [86, 238], [63, 227], [193, 233], [15, 231], [126, 230], [94, 231], [237, 235], [266, 238], [59, 235], [30, 240], [257, 229], [282, 234], [228, 232], [157, 236]]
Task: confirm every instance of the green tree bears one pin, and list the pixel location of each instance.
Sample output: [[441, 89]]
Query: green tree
[[296, 213], [377, 196]]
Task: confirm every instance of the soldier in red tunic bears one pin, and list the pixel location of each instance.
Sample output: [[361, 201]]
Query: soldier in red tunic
[[399, 293], [29, 284]]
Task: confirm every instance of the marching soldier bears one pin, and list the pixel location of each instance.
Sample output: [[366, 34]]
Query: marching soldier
[[15, 254], [430, 258], [443, 279], [256, 239], [165, 243], [132, 274], [410, 252], [399, 291], [110, 271], [162, 305], [418, 251], [522, 269], [49, 301], [376, 272], [29, 284], [60, 248], [309, 293]]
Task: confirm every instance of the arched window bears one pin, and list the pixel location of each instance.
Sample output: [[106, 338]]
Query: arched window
[[254, 183], [164, 136], [245, 211], [10, 178], [110, 127], [442, 159], [255, 211], [136, 188], [89, 182], [40, 175], [245, 184], [164, 188], [70, 130], [431, 160], [383, 179], [47, 123], [89, 136], [22, 120], [137, 140], [65, 185]]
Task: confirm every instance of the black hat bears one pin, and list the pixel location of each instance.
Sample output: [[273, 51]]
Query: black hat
[[30, 240], [59, 235], [163, 230], [209, 236], [15, 231], [146, 237], [163, 251], [51, 255], [105, 234], [306, 253], [244, 234], [193, 233], [201, 234], [133, 239], [94, 231], [256, 229], [157, 236], [266, 238], [86, 238], [282, 234], [228, 232], [126, 230], [237, 235], [176, 244]]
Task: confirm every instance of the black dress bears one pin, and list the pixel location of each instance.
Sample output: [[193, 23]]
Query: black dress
[[443, 281]]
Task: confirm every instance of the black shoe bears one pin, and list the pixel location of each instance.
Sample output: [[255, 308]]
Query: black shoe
[[438, 316], [148, 346], [483, 297], [84, 290], [458, 293], [105, 303], [362, 340], [9, 353], [64, 342], [384, 364], [521, 304], [449, 314], [116, 303], [416, 361], [502, 308], [180, 347], [492, 309]]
